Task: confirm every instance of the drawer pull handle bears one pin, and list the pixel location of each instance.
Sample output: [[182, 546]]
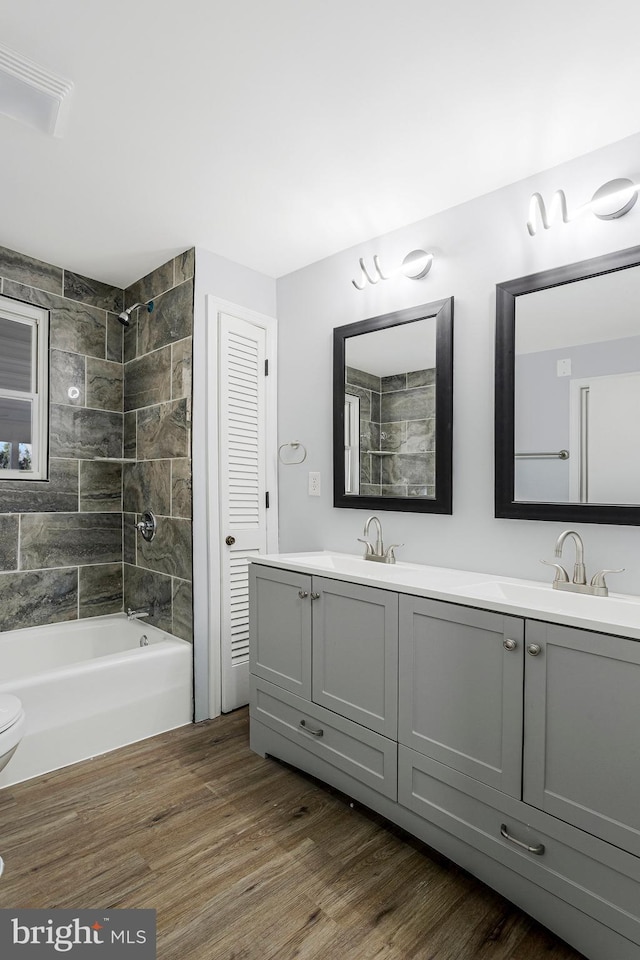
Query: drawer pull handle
[[314, 733], [537, 848], [303, 594]]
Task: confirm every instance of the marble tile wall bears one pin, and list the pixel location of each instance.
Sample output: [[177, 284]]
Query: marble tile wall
[[68, 547], [157, 441], [397, 417], [61, 539]]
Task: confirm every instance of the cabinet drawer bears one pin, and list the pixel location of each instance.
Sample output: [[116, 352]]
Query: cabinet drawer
[[355, 750], [597, 878]]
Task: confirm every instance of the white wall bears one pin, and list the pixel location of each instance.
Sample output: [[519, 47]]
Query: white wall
[[243, 287], [476, 245]]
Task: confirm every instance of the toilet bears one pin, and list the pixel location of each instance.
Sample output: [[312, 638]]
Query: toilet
[[12, 723]]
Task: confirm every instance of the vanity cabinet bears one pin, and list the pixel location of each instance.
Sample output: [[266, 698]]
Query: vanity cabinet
[[517, 746], [461, 674]]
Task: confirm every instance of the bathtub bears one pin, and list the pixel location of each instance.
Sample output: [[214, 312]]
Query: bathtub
[[88, 686]]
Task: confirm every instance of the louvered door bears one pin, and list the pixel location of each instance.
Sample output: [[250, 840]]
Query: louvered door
[[243, 491]]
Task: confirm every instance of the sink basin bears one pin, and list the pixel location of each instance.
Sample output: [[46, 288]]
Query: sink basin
[[599, 610], [407, 574]]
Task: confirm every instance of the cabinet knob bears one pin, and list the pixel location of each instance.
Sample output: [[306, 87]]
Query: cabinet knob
[[534, 649], [315, 596], [229, 540], [509, 644], [303, 594]]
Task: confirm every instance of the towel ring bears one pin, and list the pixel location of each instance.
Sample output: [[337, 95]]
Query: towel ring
[[296, 445]]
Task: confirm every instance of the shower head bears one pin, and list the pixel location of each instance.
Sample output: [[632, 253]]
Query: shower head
[[125, 316]]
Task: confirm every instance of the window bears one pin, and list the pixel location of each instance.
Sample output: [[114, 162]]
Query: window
[[24, 366]]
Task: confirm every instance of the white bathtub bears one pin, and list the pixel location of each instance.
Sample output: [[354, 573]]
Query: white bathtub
[[88, 687]]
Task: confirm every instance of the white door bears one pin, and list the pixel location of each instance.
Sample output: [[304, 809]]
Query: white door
[[243, 491], [605, 426]]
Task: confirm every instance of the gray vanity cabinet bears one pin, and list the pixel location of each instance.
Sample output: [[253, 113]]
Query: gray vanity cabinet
[[280, 636], [461, 689], [582, 722]]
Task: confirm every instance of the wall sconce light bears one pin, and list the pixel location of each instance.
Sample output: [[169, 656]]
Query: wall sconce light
[[414, 266], [610, 201]]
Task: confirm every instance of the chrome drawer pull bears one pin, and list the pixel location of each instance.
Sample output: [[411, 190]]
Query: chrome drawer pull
[[538, 848], [314, 733]]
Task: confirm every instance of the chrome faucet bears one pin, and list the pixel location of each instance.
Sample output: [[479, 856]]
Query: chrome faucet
[[377, 552], [596, 587], [137, 614]]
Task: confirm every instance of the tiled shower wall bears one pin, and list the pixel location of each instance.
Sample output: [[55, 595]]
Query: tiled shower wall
[[397, 417], [157, 439], [61, 540]]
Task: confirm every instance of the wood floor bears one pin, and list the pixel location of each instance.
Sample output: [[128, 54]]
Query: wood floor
[[246, 859]]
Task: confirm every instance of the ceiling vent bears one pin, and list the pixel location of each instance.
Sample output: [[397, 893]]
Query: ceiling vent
[[32, 94]]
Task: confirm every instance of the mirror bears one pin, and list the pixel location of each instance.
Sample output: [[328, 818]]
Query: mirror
[[568, 393], [392, 401]]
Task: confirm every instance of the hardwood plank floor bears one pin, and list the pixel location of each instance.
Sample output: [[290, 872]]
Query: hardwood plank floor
[[246, 859]]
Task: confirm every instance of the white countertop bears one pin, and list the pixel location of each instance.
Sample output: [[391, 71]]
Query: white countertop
[[618, 613]]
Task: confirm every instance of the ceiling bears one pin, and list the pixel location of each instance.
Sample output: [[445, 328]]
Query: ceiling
[[277, 132]]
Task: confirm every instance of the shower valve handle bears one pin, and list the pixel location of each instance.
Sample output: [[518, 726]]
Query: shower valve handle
[[148, 526]]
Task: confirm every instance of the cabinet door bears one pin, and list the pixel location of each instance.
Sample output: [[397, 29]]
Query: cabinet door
[[355, 653], [280, 628], [582, 730], [460, 689]]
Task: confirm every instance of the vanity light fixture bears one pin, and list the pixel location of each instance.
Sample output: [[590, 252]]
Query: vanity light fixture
[[31, 93], [610, 201], [414, 266]]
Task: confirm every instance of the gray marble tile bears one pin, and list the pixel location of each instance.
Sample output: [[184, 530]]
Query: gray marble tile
[[420, 378], [376, 469], [370, 490], [420, 436], [365, 400], [394, 490], [408, 469], [365, 468], [104, 384], [44, 596], [115, 338], [375, 406], [393, 435], [129, 537], [360, 378], [391, 384], [130, 343], [146, 589], [100, 589], [93, 292], [67, 378], [421, 490], [74, 327], [62, 539], [148, 288], [59, 494], [163, 431], [84, 434], [129, 439], [181, 489], [148, 380], [181, 369], [184, 265], [172, 319], [170, 551], [147, 486], [369, 436], [416, 404], [34, 273], [182, 610], [9, 524], [100, 487]]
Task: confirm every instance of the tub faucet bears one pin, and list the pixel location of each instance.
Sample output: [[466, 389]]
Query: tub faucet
[[137, 614], [377, 552], [596, 587]]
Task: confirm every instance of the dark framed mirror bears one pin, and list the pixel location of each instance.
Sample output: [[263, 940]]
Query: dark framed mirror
[[567, 399], [393, 410]]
